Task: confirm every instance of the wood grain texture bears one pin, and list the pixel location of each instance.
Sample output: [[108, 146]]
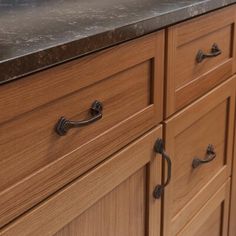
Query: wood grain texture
[[37, 145], [234, 39], [62, 208], [212, 219], [45, 162], [213, 225], [203, 25], [232, 220], [187, 80], [187, 69], [41, 88], [119, 213], [209, 120]]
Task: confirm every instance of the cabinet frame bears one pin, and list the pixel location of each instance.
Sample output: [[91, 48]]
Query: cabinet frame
[[176, 125]]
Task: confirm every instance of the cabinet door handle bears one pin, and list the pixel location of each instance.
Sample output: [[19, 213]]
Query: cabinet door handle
[[215, 51], [210, 156], [159, 148], [63, 125]]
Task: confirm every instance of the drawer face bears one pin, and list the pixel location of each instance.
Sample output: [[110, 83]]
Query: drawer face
[[36, 143], [188, 70], [190, 75], [200, 140], [36, 161], [192, 143], [212, 218], [114, 198]]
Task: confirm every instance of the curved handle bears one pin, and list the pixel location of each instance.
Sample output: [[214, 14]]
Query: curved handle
[[63, 125], [159, 148], [210, 156], [215, 51]]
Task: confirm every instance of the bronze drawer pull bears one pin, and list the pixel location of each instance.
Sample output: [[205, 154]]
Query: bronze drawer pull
[[210, 156], [63, 125], [159, 148], [215, 51]]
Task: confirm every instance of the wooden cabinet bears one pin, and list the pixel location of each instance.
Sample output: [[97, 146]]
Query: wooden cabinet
[[199, 139], [128, 84], [106, 177], [190, 73], [232, 224], [115, 198], [121, 212], [212, 218]]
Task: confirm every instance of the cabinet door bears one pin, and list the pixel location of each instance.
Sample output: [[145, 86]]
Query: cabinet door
[[212, 218], [113, 199], [232, 224], [200, 141]]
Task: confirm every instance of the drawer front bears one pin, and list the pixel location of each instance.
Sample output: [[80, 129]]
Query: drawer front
[[212, 219], [36, 161], [200, 142], [201, 54], [114, 198]]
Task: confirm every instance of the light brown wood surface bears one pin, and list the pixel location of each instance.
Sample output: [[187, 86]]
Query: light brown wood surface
[[94, 187], [119, 213], [187, 80], [99, 180], [232, 222], [33, 91], [209, 120], [234, 29], [212, 218], [35, 161]]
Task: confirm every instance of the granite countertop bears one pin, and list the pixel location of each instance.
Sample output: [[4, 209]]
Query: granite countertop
[[38, 34]]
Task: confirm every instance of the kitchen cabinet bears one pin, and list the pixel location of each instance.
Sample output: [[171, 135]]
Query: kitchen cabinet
[[121, 201], [129, 94], [201, 53], [134, 140], [212, 219], [199, 139], [232, 225]]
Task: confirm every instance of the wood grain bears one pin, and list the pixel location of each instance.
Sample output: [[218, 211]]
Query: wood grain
[[36, 144], [44, 87], [232, 224], [133, 104], [119, 213], [234, 39], [60, 209], [211, 220], [186, 79], [209, 120]]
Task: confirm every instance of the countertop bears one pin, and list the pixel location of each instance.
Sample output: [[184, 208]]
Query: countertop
[[38, 34]]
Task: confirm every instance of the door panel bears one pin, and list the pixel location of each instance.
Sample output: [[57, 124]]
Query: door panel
[[202, 133], [121, 212], [115, 198], [212, 219]]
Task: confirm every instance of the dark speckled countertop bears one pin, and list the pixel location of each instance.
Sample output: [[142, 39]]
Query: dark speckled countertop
[[36, 34]]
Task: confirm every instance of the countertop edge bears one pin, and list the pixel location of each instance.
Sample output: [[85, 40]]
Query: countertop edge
[[19, 67]]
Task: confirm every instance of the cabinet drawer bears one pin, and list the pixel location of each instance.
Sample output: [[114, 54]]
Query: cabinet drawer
[[36, 161], [212, 219], [190, 74], [200, 142], [117, 194]]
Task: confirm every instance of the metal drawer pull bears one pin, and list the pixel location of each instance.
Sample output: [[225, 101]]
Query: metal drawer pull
[[215, 51], [63, 125], [159, 148], [210, 156]]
